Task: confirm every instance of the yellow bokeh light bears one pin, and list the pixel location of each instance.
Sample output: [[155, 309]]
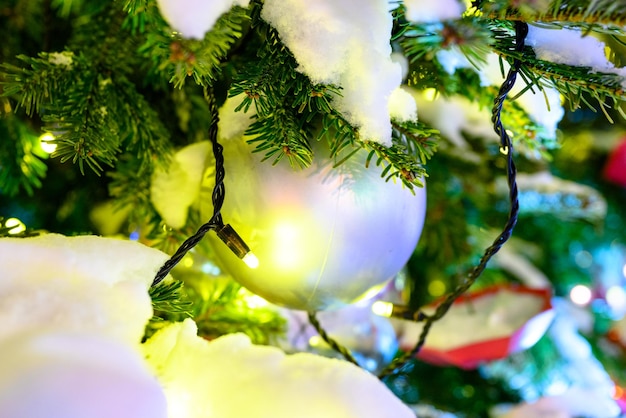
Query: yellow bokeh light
[[436, 288], [46, 143], [251, 260], [15, 226], [286, 249], [255, 301], [381, 308], [430, 94]]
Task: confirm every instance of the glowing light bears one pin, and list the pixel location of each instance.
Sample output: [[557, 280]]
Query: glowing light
[[624, 270], [616, 298], [436, 288], [251, 260], [255, 301], [46, 143], [382, 308], [430, 94], [316, 342], [287, 242], [580, 294], [15, 226], [187, 261]]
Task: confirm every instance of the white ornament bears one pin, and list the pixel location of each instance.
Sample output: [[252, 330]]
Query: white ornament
[[230, 377], [194, 18], [324, 237]]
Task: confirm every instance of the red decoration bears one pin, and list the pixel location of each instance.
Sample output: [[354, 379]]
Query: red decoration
[[615, 168], [486, 325]]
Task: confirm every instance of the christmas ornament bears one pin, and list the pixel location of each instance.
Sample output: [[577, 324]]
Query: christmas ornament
[[194, 18], [324, 236], [615, 168], [231, 377], [482, 326]]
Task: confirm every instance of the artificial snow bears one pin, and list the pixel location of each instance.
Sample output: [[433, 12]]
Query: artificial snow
[[73, 313], [81, 284], [429, 11], [231, 378], [174, 189], [345, 43], [59, 373], [571, 47], [194, 18], [402, 106]]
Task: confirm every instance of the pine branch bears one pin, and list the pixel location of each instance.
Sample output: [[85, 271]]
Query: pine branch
[[607, 16], [574, 82], [88, 102], [422, 41], [21, 158], [420, 139], [177, 58], [285, 100], [169, 298]]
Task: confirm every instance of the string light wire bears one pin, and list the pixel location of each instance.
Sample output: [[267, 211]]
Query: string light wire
[[225, 232], [506, 147]]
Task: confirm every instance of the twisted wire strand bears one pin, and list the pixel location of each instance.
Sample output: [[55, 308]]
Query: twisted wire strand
[[521, 30], [218, 195], [345, 352]]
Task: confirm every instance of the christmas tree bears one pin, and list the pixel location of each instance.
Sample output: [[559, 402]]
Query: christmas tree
[[354, 208]]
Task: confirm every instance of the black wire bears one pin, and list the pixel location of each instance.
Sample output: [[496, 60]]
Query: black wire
[[219, 193], [334, 344], [521, 30]]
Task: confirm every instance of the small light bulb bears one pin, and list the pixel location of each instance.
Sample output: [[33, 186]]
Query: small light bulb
[[251, 260], [15, 226], [391, 310], [381, 308], [580, 295], [46, 143]]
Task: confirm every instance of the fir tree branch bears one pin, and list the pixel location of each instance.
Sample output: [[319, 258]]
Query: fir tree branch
[[608, 16], [176, 59], [571, 81], [169, 298], [21, 159], [470, 34], [87, 101]]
